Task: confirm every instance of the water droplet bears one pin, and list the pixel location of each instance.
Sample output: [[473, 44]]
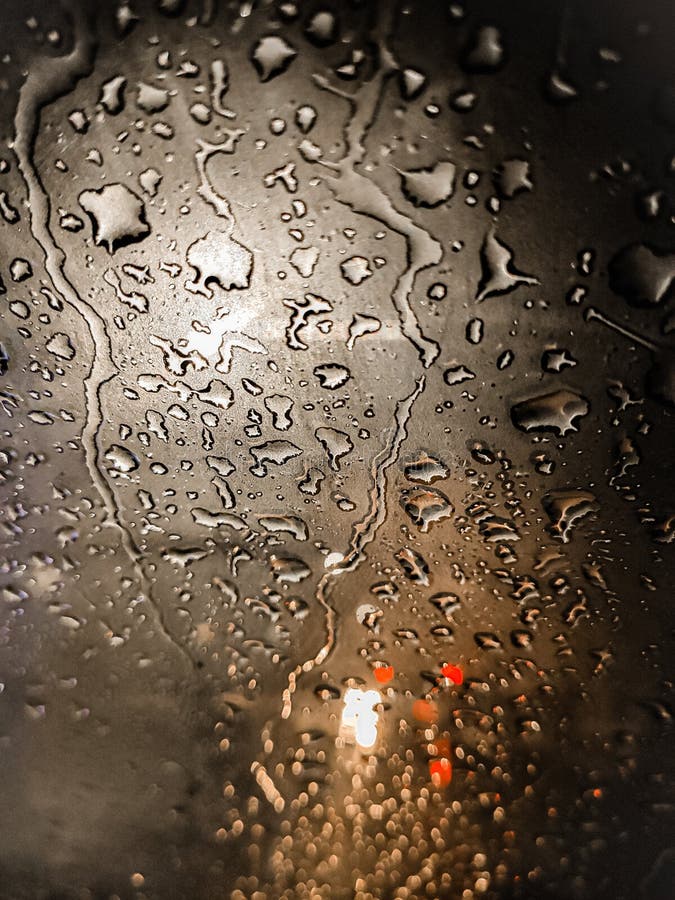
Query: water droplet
[[499, 275], [557, 411], [429, 187], [118, 215], [271, 56], [426, 506], [566, 508], [642, 275]]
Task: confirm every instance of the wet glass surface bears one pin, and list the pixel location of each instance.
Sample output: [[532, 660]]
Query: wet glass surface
[[337, 378]]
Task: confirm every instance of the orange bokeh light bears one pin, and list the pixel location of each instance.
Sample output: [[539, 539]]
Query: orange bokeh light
[[440, 771], [453, 672], [425, 711], [384, 674]]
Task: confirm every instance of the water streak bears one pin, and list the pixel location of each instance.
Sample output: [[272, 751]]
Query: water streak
[[362, 534], [49, 79], [206, 190], [362, 195]]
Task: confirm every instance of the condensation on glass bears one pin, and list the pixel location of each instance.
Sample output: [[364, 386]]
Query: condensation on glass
[[337, 380]]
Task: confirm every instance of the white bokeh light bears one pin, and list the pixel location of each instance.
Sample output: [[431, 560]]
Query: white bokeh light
[[359, 716]]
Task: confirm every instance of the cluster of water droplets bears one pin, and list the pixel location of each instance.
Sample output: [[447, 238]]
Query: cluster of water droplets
[[295, 417]]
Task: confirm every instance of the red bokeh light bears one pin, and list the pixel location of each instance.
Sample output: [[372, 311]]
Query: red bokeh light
[[453, 672], [384, 674]]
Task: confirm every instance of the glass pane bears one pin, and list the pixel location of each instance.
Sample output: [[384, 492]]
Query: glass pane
[[337, 381]]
